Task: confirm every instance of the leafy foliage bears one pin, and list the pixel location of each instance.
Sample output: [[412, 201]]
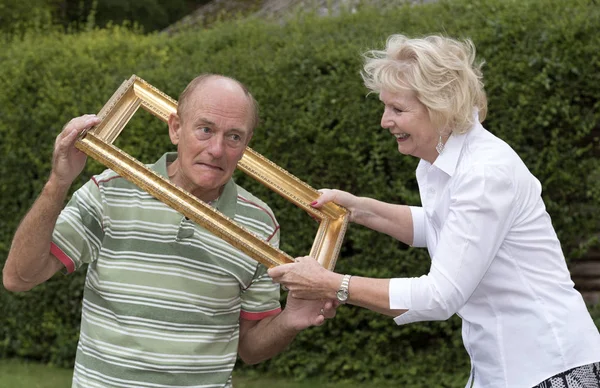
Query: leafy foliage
[[543, 82], [17, 16], [150, 15]]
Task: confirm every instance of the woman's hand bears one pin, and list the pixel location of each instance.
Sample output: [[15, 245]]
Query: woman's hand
[[307, 279], [339, 197]]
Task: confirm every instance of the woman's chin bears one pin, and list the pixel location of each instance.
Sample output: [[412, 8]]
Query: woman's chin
[[404, 150]]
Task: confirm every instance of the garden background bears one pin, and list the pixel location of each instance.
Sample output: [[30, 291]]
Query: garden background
[[542, 76]]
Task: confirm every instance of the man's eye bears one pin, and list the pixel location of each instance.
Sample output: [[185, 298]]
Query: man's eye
[[397, 110], [235, 140], [203, 132]]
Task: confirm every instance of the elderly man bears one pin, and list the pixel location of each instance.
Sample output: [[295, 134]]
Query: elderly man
[[166, 303]]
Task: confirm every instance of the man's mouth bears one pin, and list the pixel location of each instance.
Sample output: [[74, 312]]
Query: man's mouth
[[210, 166]]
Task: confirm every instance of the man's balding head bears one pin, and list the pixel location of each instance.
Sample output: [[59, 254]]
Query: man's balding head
[[221, 81]]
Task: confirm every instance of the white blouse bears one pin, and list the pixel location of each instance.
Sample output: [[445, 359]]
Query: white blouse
[[497, 263]]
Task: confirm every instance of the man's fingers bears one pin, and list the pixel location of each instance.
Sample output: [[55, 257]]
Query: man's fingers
[[329, 310], [79, 123], [319, 320], [329, 313], [88, 123], [91, 121], [69, 138], [86, 126]]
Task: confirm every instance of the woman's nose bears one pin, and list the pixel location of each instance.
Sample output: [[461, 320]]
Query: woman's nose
[[386, 122]]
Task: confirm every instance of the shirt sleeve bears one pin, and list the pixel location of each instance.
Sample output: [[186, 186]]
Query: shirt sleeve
[[78, 232], [261, 298], [418, 219], [480, 215]]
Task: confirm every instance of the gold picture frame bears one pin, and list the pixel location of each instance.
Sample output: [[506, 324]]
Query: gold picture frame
[[120, 108]]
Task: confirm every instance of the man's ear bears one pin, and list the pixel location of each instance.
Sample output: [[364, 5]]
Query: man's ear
[[174, 128]]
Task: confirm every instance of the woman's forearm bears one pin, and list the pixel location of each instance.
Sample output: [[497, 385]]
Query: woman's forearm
[[393, 220], [372, 294]]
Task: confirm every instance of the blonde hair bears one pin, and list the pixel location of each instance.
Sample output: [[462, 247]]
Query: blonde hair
[[440, 71]]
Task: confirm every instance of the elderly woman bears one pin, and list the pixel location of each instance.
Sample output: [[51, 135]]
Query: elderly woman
[[495, 258]]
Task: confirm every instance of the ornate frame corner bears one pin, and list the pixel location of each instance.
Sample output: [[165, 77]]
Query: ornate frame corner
[[120, 108]]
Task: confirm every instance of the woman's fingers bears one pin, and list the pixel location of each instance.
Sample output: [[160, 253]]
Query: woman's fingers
[[277, 272], [326, 196]]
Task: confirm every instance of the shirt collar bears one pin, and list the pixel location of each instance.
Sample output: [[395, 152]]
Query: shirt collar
[[448, 159], [226, 203], [160, 167]]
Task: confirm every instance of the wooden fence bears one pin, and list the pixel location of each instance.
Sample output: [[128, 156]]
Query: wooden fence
[[586, 275]]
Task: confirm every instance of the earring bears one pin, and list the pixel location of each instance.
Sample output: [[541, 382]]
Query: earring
[[440, 146]]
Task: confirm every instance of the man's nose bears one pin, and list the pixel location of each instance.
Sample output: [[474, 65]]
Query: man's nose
[[216, 147]]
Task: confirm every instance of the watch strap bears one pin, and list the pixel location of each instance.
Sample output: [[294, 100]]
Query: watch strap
[[344, 292]]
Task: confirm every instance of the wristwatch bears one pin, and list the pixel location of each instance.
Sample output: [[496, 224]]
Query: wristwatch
[[342, 294]]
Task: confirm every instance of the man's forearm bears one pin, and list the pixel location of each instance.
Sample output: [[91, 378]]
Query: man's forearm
[[266, 338], [29, 262]]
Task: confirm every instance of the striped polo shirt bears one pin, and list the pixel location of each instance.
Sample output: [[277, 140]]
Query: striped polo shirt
[[163, 296]]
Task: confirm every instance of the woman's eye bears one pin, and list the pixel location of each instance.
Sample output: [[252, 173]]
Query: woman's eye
[[396, 110]]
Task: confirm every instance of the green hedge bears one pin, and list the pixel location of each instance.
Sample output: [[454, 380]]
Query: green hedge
[[543, 81], [17, 16]]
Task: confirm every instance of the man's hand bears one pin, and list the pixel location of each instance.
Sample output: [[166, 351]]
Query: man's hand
[[29, 260], [68, 161], [300, 314], [260, 340]]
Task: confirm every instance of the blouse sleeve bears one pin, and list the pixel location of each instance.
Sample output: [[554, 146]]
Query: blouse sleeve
[[418, 219], [480, 215]]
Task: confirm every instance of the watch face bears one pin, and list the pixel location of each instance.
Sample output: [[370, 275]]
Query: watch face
[[342, 295]]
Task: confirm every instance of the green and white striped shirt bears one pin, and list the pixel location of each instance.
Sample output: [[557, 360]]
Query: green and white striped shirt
[[163, 296]]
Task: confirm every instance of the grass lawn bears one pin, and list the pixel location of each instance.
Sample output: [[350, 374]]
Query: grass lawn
[[22, 374]]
